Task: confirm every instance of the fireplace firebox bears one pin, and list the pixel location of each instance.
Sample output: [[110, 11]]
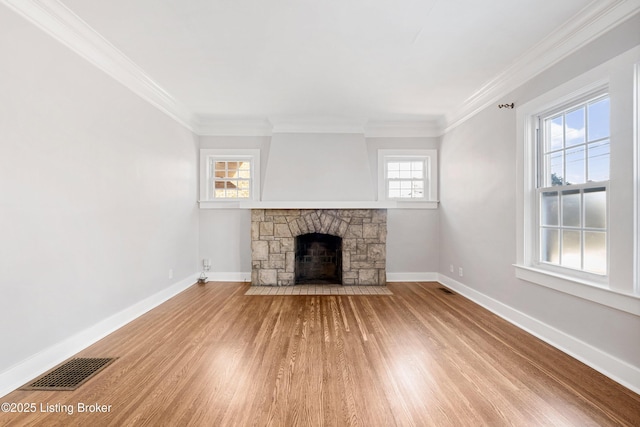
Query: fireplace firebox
[[318, 259]]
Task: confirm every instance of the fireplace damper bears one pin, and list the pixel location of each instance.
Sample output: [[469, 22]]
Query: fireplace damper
[[318, 259]]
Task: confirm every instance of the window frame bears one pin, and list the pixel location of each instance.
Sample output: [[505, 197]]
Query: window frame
[[209, 155], [540, 186], [429, 157]]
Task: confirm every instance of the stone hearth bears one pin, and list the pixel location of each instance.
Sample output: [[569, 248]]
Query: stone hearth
[[363, 233]]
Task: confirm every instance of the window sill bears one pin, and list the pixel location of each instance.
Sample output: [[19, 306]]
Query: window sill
[[584, 289], [249, 204]]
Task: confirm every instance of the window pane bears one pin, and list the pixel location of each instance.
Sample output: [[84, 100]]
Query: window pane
[[405, 174], [549, 208], [555, 129], [595, 252], [394, 193], [575, 166], [553, 167], [394, 185], [574, 127], [599, 161], [405, 166], [549, 245], [219, 193], [243, 184], [595, 208], [220, 166], [244, 174], [417, 170], [571, 249], [417, 190], [405, 189], [571, 208], [245, 165], [598, 119]]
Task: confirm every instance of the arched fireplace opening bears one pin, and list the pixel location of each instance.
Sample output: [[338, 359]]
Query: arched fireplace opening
[[318, 259]]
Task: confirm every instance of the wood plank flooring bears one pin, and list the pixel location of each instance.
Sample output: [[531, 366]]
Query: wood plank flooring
[[213, 356]]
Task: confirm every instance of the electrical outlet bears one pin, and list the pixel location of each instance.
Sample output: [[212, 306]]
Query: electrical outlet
[[460, 272], [171, 273], [451, 268]]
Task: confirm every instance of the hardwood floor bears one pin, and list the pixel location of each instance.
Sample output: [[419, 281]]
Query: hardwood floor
[[213, 356]]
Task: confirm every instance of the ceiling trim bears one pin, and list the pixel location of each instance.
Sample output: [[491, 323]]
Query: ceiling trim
[[404, 129], [591, 22], [62, 24], [206, 125]]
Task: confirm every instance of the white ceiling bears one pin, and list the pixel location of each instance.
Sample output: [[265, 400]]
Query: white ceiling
[[360, 60]]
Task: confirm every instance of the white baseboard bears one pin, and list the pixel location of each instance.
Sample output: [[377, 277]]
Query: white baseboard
[[412, 277], [48, 358], [618, 370], [228, 276], [240, 276]]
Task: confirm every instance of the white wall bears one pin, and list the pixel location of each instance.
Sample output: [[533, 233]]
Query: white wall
[[478, 221], [412, 240], [98, 195]]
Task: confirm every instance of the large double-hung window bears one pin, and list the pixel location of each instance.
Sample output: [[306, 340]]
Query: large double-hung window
[[572, 185]]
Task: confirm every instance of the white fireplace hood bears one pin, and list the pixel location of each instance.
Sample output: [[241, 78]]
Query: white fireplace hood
[[318, 170]]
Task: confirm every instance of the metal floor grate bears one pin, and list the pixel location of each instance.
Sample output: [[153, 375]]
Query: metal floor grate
[[447, 291], [70, 375]]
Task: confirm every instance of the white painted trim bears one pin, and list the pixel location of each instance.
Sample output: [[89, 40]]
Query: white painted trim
[[590, 291], [228, 154], [317, 124], [329, 204], [62, 24], [636, 173], [404, 129], [205, 204], [217, 126], [412, 277], [430, 156], [228, 276], [618, 370], [590, 23], [48, 358]]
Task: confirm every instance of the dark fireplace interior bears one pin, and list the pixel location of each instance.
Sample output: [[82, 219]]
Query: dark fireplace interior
[[318, 259]]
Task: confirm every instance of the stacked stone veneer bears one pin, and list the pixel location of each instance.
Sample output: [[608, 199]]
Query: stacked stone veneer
[[363, 233]]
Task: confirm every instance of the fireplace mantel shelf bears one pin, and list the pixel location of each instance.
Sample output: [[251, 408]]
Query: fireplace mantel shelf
[[277, 204]]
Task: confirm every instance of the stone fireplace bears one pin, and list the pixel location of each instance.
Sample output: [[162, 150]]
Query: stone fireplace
[[344, 246]]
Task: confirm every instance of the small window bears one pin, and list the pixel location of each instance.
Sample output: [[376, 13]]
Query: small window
[[408, 175], [229, 175], [572, 189]]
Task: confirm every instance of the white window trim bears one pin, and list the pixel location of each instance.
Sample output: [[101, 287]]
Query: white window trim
[[430, 201], [624, 300], [636, 174], [228, 154], [580, 275]]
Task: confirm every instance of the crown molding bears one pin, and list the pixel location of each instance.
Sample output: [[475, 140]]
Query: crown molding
[[222, 126], [317, 124], [404, 129], [218, 126], [58, 21], [590, 23], [62, 24]]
